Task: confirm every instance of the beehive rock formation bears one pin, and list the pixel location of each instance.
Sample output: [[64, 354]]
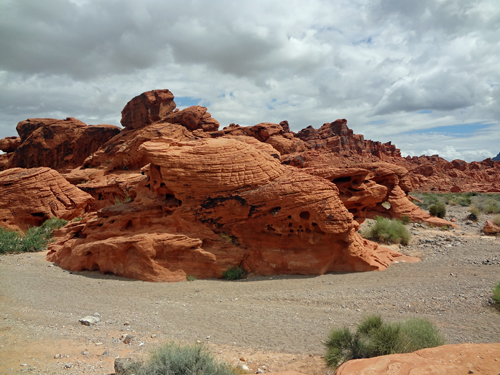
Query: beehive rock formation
[[28, 197], [211, 204]]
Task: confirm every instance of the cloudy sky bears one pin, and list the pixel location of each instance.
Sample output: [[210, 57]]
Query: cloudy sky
[[423, 74]]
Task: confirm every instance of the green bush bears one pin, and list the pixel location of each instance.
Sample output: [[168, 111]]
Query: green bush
[[374, 338], [438, 209], [387, 230], [174, 359], [453, 199], [35, 239], [234, 273], [496, 295]]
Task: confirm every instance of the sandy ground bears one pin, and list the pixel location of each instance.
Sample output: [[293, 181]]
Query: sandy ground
[[277, 322]]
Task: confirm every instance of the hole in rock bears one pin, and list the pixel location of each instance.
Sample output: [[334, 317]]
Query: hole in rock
[[305, 215], [291, 230], [275, 211], [8, 184], [270, 228], [289, 224], [99, 198], [314, 224], [129, 225], [289, 217], [38, 214], [340, 180], [386, 205]]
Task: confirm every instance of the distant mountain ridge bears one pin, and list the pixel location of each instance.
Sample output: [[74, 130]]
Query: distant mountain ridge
[[496, 158]]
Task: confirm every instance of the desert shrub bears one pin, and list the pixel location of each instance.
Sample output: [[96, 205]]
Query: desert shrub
[[191, 278], [405, 219], [387, 230], [35, 238], [496, 295], [488, 203], [119, 201], [373, 338], [174, 359], [474, 213], [438, 209], [234, 273], [496, 220], [453, 199]]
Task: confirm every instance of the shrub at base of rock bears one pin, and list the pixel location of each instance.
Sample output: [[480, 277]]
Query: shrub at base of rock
[[374, 338]]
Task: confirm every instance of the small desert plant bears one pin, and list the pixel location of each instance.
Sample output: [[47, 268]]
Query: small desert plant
[[496, 295], [405, 219], [118, 200], [76, 219], [438, 209], [496, 220], [234, 273], [374, 338], [35, 238], [190, 278], [174, 359], [474, 213], [387, 230]]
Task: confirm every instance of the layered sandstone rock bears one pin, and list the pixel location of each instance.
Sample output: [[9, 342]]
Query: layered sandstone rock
[[207, 205], [28, 197], [57, 144], [443, 360]]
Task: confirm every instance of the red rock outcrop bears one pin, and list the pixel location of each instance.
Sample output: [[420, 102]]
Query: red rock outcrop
[[435, 174], [210, 204], [9, 144], [491, 228], [481, 359], [28, 197], [336, 137], [57, 144]]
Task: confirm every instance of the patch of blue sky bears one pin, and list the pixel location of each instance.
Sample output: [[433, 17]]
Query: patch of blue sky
[[186, 101], [425, 111], [458, 130], [275, 103]]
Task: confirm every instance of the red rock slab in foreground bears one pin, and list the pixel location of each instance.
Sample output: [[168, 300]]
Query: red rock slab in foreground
[[28, 197], [477, 359]]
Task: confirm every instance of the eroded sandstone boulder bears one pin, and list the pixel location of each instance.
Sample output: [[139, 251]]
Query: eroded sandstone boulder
[[207, 205], [28, 197], [481, 359], [9, 144], [491, 228]]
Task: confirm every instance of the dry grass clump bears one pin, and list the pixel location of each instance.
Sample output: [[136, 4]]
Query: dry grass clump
[[388, 231]]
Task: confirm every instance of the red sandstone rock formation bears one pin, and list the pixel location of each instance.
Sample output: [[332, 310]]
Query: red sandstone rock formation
[[443, 360], [9, 144], [491, 228], [210, 204], [28, 197], [57, 144]]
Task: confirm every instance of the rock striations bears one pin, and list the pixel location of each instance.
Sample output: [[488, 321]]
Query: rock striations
[[171, 195]]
